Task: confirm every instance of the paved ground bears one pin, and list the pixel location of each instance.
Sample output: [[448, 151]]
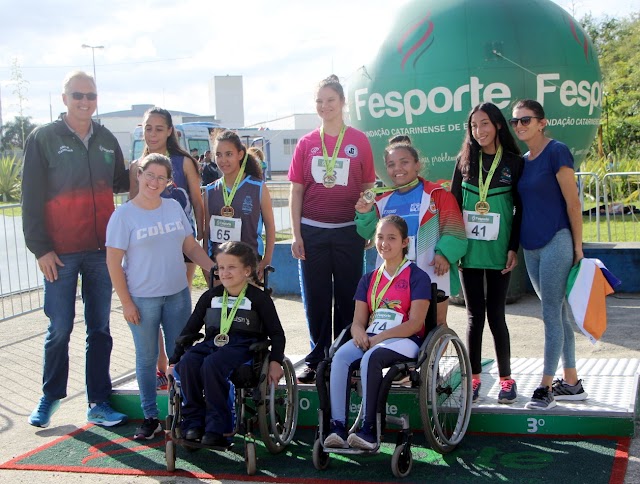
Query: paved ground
[[21, 342]]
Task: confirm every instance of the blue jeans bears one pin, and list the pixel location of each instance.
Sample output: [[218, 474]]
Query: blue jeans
[[548, 269], [60, 308], [172, 312]]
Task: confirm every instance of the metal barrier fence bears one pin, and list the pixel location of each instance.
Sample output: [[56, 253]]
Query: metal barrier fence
[[21, 286], [279, 192], [590, 189], [621, 189], [614, 196], [21, 281]]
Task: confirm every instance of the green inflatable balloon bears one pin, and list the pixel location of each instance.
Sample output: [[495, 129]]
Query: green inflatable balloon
[[443, 57]]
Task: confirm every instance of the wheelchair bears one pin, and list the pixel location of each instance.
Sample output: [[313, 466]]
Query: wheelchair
[[272, 410], [441, 375]]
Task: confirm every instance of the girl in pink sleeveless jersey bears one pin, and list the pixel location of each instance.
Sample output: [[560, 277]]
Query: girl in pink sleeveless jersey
[[331, 166], [391, 305]]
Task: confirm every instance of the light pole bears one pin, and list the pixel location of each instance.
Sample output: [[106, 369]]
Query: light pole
[[95, 79]]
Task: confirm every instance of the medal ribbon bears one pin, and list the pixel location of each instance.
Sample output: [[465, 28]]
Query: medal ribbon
[[483, 188], [330, 164], [227, 318], [376, 300], [393, 189], [228, 197]]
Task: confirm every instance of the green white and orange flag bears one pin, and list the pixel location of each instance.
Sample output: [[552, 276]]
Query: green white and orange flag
[[588, 284]]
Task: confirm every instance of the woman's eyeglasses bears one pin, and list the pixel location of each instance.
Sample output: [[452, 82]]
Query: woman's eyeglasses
[[524, 120], [91, 96], [151, 177]]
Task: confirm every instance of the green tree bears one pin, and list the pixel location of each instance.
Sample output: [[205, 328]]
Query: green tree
[[14, 133], [617, 41], [10, 170]]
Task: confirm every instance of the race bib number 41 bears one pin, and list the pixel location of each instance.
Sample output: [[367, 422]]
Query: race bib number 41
[[480, 226]]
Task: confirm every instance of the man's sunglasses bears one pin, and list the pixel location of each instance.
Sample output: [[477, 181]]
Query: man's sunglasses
[[91, 96], [524, 120]]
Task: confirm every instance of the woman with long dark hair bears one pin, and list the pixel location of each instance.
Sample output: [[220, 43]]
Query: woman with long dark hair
[[160, 137], [238, 204], [485, 184]]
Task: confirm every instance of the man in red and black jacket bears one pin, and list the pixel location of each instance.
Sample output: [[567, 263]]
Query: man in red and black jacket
[[72, 168]]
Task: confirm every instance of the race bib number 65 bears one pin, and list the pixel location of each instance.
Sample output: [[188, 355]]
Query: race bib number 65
[[224, 229]]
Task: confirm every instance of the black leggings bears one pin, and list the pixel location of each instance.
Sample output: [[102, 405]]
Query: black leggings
[[474, 297]]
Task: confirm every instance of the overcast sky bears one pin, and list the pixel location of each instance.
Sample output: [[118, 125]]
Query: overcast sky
[[164, 52]]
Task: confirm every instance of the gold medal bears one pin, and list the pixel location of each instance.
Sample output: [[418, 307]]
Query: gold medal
[[482, 207], [221, 340], [329, 181], [369, 196], [227, 211]]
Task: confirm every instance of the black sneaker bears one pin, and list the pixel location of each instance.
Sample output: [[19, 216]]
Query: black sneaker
[[149, 428], [307, 375], [194, 434], [563, 391], [542, 399], [337, 438], [508, 391], [214, 440]]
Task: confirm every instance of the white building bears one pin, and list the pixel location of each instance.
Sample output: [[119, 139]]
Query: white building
[[308, 121], [226, 99], [283, 134]]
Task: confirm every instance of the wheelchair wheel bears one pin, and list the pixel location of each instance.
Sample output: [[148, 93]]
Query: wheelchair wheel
[[320, 457], [250, 458], [401, 461], [170, 455], [278, 413], [445, 390]]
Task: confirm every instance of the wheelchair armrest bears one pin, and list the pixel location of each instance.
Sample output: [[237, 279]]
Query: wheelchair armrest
[[343, 337], [260, 345], [187, 340]]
